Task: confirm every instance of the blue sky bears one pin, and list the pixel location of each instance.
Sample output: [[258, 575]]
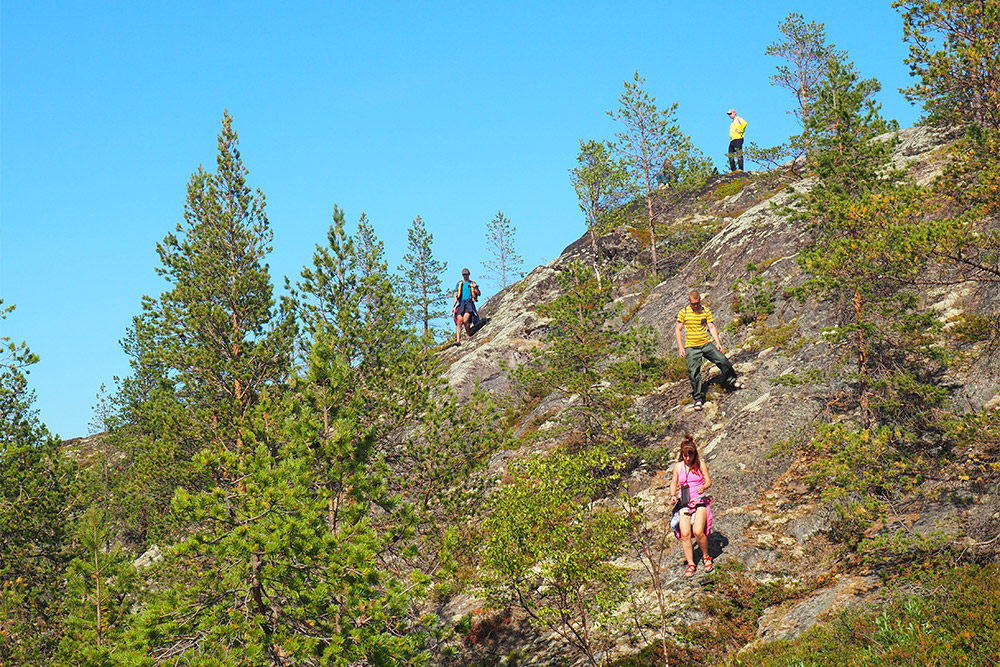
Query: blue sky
[[450, 111]]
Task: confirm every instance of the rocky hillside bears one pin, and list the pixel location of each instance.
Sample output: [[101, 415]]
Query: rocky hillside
[[766, 516]]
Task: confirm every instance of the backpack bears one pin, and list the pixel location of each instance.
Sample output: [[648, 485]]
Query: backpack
[[473, 290]]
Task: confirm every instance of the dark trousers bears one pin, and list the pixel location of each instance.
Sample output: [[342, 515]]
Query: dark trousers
[[735, 151], [693, 357]]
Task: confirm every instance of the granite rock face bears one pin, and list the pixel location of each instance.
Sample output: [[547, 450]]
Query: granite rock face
[[765, 516]]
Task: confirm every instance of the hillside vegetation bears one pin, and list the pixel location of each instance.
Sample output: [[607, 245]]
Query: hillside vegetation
[[318, 481]]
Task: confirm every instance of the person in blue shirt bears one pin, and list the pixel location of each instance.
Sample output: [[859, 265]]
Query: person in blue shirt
[[464, 306]]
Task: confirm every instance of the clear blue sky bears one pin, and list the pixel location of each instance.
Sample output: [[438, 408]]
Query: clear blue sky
[[450, 111]]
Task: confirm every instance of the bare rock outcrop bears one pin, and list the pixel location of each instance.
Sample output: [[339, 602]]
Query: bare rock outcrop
[[766, 517]]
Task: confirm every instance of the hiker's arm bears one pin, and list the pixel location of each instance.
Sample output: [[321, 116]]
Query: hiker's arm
[[678, 334], [715, 336], [673, 485]]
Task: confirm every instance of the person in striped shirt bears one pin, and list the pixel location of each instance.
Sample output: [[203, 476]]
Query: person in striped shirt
[[696, 323]]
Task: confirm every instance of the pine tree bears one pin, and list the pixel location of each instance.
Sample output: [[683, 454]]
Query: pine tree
[[422, 276], [506, 263], [955, 51], [862, 212], [650, 138], [201, 354], [288, 567], [101, 587], [347, 298], [204, 350], [803, 47], [586, 358], [147, 448], [36, 503], [602, 188], [217, 327]]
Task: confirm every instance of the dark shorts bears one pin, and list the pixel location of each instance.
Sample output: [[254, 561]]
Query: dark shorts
[[466, 306]]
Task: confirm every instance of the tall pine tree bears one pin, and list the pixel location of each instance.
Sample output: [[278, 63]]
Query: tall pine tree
[[36, 505], [602, 188], [505, 265], [346, 299], [652, 136], [422, 276]]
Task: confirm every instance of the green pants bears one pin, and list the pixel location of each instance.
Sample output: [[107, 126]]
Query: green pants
[[693, 357]]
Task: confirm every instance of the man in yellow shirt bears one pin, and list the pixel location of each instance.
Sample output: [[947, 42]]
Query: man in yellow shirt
[[736, 131], [695, 321]]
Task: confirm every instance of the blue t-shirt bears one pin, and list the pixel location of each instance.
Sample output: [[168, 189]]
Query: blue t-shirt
[[466, 290]]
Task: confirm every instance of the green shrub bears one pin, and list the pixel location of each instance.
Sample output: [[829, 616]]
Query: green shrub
[[784, 336], [973, 327], [952, 619], [729, 189]]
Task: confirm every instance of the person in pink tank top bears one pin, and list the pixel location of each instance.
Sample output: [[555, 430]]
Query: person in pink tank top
[[695, 517]]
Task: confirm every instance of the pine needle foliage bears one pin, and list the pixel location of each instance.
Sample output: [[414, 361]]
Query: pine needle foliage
[[422, 276], [602, 186], [504, 267], [587, 359], [955, 52], [650, 138], [36, 506]]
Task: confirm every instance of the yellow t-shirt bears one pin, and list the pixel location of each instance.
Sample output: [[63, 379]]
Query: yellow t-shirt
[[738, 128], [695, 325]]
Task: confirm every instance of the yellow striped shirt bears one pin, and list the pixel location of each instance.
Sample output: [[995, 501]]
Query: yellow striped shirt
[[695, 325]]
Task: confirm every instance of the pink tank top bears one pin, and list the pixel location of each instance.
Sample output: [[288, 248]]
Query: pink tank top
[[693, 478]]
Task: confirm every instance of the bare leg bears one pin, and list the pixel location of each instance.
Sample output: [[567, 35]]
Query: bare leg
[[463, 320], [700, 518], [685, 527]]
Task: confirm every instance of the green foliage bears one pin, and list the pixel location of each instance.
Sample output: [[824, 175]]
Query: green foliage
[[753, 297], [505, 266], [422, 276], [287, 563], [806, 57], [347, 300], [651, 139], [784, 336], [810, 376], [603, 188], [736, 602], [963, 236], [862, 215], [585, 358], [101, 587], [203, 351], [955, 52], [35, 505], [216, 328], [729, 189], [864, 474], [550, 543], [950, 620], [973, 327], [443, 457]]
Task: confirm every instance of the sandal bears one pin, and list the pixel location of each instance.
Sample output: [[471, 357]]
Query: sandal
[[707, 560], [689, 571]]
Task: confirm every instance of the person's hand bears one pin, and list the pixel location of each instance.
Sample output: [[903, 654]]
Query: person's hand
[[700, 490], [680, 353], [722, 349]]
